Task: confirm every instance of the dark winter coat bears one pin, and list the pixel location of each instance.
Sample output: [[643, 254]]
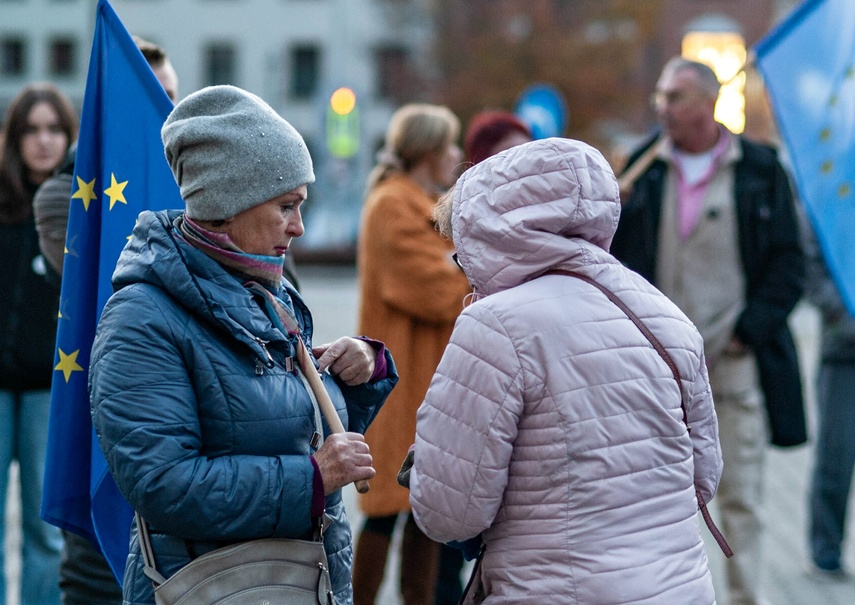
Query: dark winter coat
[[28, 310], [772, 262]]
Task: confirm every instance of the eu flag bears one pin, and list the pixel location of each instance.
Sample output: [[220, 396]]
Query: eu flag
[[119, 172], [808, 64]]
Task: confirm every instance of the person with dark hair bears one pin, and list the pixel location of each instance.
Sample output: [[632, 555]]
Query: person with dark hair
[[834, 449], [160, 65], [493, 131], [710, 220], [51, 200], [39, 126]]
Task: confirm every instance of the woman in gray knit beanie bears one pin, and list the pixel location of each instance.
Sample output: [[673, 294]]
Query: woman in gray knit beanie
[[209, 430]]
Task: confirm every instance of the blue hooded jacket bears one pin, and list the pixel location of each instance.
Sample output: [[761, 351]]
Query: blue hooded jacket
[[205, 430]]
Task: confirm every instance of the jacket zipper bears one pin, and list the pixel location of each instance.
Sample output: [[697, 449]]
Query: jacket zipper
[[259, 362]]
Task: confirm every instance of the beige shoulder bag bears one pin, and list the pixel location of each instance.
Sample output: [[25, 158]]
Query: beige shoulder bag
[[272, 571]]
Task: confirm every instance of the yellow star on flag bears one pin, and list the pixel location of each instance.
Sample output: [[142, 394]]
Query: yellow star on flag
[[116, 191], [825, 134], [85, 191], [826, 167], [68, 363], [844, 190]]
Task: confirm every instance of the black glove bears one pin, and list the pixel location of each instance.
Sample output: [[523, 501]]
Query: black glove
[[406, 467]]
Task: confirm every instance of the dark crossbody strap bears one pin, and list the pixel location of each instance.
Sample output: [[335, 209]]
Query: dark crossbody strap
[[663, 353]]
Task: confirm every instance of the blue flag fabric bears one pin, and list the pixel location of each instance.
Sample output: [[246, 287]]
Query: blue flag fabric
[[119, 172], [808, 64]]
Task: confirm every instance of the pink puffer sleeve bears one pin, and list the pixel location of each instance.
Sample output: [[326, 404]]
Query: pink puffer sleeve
[[465, 430], [705, 443]]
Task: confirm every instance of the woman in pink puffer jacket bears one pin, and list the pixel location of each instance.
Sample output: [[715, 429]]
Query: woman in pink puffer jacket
[[552, 427]]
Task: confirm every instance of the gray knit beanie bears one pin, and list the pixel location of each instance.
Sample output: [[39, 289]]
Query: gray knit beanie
[[229, 151]]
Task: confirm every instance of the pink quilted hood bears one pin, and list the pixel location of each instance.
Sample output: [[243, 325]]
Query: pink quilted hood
[[525, 210]]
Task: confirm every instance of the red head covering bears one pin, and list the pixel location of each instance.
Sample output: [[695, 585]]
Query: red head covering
[[488, 128]]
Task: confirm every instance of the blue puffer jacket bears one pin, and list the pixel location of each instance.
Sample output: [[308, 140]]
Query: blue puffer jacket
[[205, 431]]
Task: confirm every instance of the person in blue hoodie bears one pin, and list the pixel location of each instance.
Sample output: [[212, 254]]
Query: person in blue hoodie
[[206, 426]]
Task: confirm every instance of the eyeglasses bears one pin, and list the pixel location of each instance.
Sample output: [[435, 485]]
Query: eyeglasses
[[456, 261]]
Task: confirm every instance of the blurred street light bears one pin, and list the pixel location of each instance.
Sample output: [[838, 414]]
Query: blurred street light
[[725, 53], [342, 124]]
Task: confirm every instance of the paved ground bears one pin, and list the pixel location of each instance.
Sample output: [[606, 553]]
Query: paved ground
[[331, 294]]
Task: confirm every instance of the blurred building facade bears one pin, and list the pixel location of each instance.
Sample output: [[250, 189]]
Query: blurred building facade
[[604, 56], [292, 53]]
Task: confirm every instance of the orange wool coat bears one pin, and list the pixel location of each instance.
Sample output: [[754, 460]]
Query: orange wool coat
[[411, 292]]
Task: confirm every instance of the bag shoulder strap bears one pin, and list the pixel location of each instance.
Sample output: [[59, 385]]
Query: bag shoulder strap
[[663, 353], [150, 568], [658, 346]]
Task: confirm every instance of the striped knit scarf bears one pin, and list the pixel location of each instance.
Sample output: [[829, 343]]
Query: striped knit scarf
[[266, 270]]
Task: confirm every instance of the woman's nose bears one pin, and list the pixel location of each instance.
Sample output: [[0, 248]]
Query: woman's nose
[[295, 226], [44, 136]]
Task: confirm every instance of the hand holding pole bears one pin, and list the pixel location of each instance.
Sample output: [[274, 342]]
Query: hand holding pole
[[324, 401]]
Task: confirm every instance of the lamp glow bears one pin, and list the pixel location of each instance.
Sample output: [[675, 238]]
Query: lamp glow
[[725, 53]]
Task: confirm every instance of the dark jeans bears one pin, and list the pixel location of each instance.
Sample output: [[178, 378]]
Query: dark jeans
[[84, 576], [834, 462]]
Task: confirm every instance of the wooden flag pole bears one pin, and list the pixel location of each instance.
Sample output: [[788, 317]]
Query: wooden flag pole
[[324, 401]]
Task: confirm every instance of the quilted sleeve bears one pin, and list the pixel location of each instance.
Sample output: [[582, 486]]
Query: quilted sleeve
[[465, 430], [704, 434], [365, 400], [144, 410]]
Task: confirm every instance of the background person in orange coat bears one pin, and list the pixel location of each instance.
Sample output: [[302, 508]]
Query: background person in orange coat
[[411, 292]]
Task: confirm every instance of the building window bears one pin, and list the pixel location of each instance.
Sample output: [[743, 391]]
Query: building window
[[305, 68], [12, 51], [62, 57], [393, 82], [220, 63]]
